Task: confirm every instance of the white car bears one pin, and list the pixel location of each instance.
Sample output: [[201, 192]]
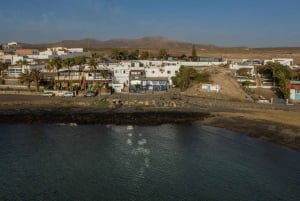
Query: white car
[[68, 94], [48, 94]]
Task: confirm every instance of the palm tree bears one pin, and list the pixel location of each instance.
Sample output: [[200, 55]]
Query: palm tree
[[55, 64], [22, 63], [3, 66], [80, 61], [194, 53], [50, 66], [93, 64], [104, 74], [69, 62], [36, 76], [162, 54], [26, 77]]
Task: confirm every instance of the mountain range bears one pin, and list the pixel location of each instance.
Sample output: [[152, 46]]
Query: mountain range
[[150, 42]]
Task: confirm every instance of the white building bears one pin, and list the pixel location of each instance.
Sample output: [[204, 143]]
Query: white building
[[13, 59], [162, 72], [284, 61], [14, 71], [237, 67], [121, 75], [202, 63]]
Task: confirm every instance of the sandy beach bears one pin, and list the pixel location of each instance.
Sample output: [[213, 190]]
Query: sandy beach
[[280, 125]]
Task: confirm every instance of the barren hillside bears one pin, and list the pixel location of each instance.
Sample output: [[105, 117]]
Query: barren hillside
[[230, 88]]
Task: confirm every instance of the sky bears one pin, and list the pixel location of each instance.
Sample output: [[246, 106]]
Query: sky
[[252, 23]]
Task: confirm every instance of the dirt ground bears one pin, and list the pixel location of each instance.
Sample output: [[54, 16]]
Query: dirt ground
[[230, 88], [277, 126]]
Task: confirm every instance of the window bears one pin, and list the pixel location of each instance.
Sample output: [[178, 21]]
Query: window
[[153, 72], [169, 72]]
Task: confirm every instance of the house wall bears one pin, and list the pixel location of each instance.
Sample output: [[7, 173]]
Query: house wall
[[118, 87], [166, 71], [159, 63], [199, 64], [12, 59], [295, 94], [120, 76], [24, 52], [75, 49], [283, 61], [14, 71]]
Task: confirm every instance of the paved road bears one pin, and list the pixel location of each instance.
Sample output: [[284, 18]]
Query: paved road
[[42, 99]]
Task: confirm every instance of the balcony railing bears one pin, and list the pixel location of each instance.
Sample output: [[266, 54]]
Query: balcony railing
[[66, 77]]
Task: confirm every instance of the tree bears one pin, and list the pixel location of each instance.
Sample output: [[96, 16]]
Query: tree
[[183, 57], [3, 66], [26, 77], [281, 74], [55, 64], [194, 54], [105, 74], [69, 62], [115, 54], [124, 55], [295, 75], [134, 55], [144, 55], [93, 64], [187, 76], [22, 63], [80, 61], [162, 54], [36, 76], [118, 54]]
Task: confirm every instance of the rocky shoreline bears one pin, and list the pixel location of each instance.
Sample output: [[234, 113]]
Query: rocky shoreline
[[86, 115], [280, 125]]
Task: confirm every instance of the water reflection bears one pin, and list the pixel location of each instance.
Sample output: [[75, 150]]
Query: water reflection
[[167, 162], [139, 150]]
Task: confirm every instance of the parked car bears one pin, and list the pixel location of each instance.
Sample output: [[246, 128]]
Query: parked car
[[48, 94], [68, 94], [89, 94]]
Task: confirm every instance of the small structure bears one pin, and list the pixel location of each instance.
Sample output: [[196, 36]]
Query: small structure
[[156, 84], [211, 87], [11, 47], [135, 79], [294, 87]]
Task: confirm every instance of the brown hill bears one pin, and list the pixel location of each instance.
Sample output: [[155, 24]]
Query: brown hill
[[151, 42], [176, 48]]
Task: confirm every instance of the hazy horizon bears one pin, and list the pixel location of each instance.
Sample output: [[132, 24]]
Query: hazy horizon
[[230, 23]]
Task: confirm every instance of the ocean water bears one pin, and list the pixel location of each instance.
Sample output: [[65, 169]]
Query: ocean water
[[166, 162]]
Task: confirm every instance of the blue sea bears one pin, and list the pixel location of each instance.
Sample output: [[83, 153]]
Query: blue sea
[[165, 162]]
